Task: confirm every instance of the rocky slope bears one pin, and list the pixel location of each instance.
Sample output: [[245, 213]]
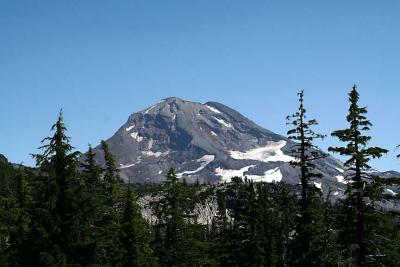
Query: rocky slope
[[206, 142]]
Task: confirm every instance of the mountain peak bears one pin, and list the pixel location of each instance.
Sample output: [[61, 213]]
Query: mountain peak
[[208, 142], [172, 99]]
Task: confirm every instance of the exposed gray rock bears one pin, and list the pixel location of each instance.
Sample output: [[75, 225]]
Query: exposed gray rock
[[210, 143]]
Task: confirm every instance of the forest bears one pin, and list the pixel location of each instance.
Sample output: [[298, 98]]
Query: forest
[[70, 211]]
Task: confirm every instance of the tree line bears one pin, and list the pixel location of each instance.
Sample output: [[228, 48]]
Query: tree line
[[66, 212]]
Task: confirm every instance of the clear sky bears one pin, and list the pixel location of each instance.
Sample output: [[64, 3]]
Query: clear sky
[[103, 60]]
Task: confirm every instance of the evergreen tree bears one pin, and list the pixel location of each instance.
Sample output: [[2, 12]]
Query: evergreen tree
[[363, 187], [92, 172], [6, 177], [220, 231], [20, 221], [108, 253], [56, 235], [173, 214], [111, 178], [269, 224], [247, 226], [326, 246], [285, 217], [92, 196], [305, 153], [134, 236]]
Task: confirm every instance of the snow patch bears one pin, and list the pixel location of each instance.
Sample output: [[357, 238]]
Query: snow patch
[[273, 175], [149, 109], [336, 193], [159, 172], [213, 133], [227, 174], [151, 143], [269, 153], [136, 136], [340, 179], [390, 191], [340, 170], [213, 109], [123, 166], [223, 122], [318, 185], [130, 128], [205, 160]]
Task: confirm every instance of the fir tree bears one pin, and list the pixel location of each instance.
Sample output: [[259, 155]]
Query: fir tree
[[92, 196], [268, 223], [56, 226], [20, 221], [110, 222], [305, 153], [92, 172], [247, 225], [134, 236], [172, 223], [362, 186], [220, 231], [6, 177], [284, 205]]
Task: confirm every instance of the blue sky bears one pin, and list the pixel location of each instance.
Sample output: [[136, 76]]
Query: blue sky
[[103, 60]]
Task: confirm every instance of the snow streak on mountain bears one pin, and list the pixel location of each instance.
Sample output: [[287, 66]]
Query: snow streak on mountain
[[206, 142]]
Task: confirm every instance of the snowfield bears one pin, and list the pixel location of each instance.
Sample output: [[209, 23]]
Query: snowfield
[[273, 175], [213, 109], [318, 185], [269, 153], [149, 109], [391, 192], [205, 160], [340, 170], [340, 179], [223, 122], [130, 128], [123, 166], [136, 136], [226, 175]]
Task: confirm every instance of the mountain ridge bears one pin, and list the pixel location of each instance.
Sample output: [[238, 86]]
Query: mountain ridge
[[204, 141]]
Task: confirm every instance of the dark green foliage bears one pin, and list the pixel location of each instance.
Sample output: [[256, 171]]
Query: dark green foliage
[[92, 196], [134, 236], [363, 188], [108, 224], [72, 212], [254, 224], [7, 175], [56, 226], [306, 153], [173, 241], [20, 220]]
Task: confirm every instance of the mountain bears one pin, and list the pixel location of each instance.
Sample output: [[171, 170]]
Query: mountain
[[3, 159], [206, 142]]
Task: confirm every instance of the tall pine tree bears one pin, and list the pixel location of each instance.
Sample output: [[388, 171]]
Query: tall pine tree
[[134, 235], [111, 196], [20, 217], [91, 195], [362, 187], [305, 153], [56, 234], [173, 243]]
